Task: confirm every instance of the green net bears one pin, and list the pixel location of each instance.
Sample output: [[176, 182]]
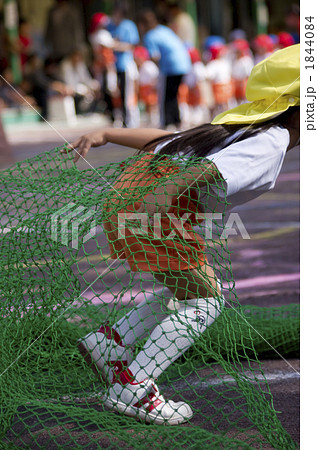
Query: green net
[[74, 257]]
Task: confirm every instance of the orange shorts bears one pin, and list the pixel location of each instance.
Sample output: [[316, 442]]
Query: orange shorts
[[240, 88], [148, 95], [173, 247], [222, 92], [191, 96], [194, 96], [183, 93]]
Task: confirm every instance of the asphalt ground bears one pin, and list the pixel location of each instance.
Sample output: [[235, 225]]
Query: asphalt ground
[[265, 267]]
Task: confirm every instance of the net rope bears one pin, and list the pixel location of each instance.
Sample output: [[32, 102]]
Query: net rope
[[62, 279]]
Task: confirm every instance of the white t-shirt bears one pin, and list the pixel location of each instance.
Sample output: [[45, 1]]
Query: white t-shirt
[[242, 67], [148, 74], [132, 71], [249, 168], [196, 74], [219, 71]]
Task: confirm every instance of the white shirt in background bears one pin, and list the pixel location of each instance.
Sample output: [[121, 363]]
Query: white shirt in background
[[242, 67], [148, 74], [219, 71]]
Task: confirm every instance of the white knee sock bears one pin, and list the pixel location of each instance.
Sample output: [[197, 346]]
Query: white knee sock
[[174, 336], [142, 319]]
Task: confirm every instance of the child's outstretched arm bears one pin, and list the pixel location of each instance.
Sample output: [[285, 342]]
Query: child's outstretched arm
[[129, 137]]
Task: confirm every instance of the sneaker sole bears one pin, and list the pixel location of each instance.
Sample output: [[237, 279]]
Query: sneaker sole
[[141, 415], [87, 355]]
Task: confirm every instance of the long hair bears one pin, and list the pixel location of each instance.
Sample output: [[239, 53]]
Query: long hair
[[198, 142]]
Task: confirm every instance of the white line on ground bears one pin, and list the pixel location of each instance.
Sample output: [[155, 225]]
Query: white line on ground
[[217, 381]]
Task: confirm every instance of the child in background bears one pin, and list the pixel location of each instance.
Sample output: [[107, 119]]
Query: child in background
[[193, 109], [285, 40], [208, 43], [126, 36], [25, 41], [103, 67], [219, 73], [74, 73], [274, 39], [148, 82], [263, 47], [241, 68], [168, 51]]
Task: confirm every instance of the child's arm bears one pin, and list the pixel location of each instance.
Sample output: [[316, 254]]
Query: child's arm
[[129, 137]]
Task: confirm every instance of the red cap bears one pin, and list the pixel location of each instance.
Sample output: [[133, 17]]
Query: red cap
[[285, 39], [141, 52], [217, 50], [98, 19], [242, 46], [264, 41], [194, 55]]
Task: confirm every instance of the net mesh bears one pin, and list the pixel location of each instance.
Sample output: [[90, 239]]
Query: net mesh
[[73, 259]]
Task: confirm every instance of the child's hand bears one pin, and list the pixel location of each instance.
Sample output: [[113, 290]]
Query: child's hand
[[84, 143]]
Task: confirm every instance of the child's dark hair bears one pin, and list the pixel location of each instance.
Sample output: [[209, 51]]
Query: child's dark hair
[[199, 141]]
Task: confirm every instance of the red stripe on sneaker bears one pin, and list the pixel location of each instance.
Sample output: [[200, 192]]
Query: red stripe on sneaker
[[110, 333], [126, 377], [123, 376], [152, 404], [118, 367]]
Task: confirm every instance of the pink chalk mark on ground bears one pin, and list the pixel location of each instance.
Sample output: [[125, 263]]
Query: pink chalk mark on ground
[[134, 296], [250, 253], [128, 298], [266, 280]]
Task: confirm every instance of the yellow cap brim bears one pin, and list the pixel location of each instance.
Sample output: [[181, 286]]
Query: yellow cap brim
[[256, 112]]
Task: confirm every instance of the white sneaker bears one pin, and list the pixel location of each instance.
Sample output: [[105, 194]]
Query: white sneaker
[[144, 402], [103, 351]]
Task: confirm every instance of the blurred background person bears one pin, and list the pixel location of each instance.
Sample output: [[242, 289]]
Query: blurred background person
[[235, 35], [284, 40], [103, 66], [169, 52], [193, 108], [292, 21], [75, 74], [242, 66], [42, 82], [181, 23], [148, 81], [126, 36], [263, 47], [65, 29], [13, 95], [209, 42], [6, 156], [25, 41], [99, 21], [219, 73]]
